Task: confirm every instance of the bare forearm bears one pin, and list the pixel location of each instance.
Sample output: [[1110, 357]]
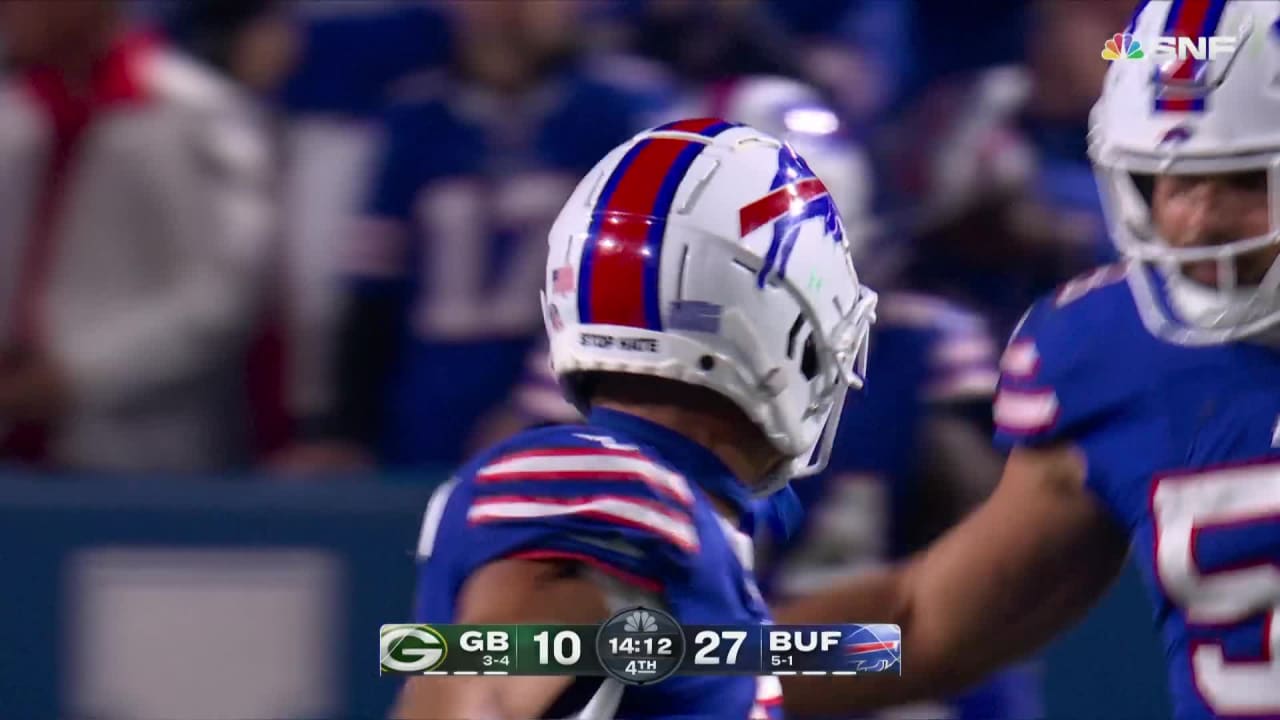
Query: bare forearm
[[955, 631], [885, 595], [874, 596], [1019, 569], [880, 595]]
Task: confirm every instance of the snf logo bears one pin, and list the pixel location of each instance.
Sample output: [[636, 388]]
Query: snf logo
[[1123, 46], [411, 648]]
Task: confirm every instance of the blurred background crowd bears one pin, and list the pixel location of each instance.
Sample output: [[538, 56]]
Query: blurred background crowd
[[255, 234], [287, 240]]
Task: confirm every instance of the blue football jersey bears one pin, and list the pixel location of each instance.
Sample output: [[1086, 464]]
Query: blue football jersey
[[1181, 448], [859, 513], [465, 191], [623, 496]]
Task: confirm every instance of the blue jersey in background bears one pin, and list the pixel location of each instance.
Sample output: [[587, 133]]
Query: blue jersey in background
[[464, 192]]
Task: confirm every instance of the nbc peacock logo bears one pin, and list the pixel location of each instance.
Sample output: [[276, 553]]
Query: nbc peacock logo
[[1122, 46]]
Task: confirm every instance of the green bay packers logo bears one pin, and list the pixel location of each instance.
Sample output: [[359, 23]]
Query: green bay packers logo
[[412, 648]]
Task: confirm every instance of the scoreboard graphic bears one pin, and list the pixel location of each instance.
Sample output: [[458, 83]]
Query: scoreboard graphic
[[639, 646]]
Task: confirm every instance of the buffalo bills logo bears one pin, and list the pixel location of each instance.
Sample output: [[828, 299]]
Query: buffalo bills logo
[[795, 195]]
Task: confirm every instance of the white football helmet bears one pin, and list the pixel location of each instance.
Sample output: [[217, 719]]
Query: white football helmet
[[709, 253], [1216, 115]]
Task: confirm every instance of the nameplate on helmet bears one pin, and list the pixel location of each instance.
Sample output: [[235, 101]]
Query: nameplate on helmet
[[609, 342]]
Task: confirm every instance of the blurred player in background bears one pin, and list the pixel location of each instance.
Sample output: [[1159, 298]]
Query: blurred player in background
[[1066, 81], [911, 459], [1140, 404], [964, 218], [136, 230], [476, 162], [913, 455], [710, 332]]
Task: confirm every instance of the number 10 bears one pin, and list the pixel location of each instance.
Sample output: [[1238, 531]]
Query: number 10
[[565, 647]]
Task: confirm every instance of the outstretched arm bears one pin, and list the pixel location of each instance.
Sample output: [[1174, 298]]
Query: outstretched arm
[[1018, 570]]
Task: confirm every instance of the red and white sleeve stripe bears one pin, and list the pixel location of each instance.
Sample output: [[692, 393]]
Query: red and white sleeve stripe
[[674, 526], [1025, 412], [1020, 360], [588, 464]]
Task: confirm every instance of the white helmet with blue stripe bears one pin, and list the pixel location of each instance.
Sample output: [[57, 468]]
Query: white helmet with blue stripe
[[709, 253], [1168, 116]]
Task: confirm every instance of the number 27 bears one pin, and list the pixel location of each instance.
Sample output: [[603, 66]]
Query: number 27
[[709, 640]]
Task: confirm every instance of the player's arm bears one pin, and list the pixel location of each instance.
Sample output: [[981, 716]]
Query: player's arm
[[507, 592], [1020, 568]]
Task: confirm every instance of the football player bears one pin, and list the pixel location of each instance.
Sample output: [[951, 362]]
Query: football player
[[912, 455], [703, 310], [1140, 403]]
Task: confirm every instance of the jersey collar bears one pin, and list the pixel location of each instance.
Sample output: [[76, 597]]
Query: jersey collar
[[691, 458]]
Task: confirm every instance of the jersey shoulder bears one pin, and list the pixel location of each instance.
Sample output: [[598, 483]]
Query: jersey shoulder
[[574, 492], [578, 452], [1069, 364]]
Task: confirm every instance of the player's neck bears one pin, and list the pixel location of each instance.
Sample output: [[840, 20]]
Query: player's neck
[[747, 461]]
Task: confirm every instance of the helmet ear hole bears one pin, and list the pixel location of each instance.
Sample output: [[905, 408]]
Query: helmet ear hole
[[792, 334], [809, 359], [808, 350]]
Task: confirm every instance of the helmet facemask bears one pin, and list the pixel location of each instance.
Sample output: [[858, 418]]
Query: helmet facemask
[[1174, 305]]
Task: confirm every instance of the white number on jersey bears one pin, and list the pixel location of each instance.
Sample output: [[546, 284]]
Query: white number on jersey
[[1245, 499], [460, 220]]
